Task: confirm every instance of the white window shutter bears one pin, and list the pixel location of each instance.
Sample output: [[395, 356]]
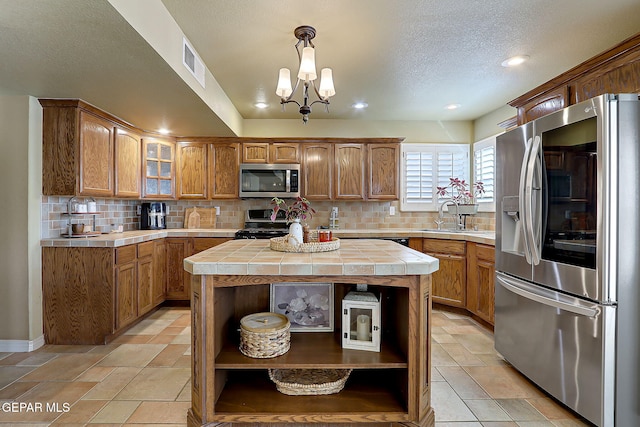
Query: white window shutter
[[427, 166]]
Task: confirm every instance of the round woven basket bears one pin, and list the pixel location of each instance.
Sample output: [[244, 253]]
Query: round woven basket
[[306, 382], [270, 339], [282, 244]]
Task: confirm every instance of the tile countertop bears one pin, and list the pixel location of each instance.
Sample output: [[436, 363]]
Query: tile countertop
[[132, 237], [355, 257]]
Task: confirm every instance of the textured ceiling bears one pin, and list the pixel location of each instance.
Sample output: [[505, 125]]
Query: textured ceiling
[[407, 59]]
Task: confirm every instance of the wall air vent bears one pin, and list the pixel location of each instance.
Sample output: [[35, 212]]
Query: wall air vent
[[192, 61]]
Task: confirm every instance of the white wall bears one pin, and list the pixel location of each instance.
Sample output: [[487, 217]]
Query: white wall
[[413, 131], [487, 125], [20, 192]]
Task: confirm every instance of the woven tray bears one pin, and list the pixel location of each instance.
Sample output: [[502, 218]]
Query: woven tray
[[305, 382], [281, 244]]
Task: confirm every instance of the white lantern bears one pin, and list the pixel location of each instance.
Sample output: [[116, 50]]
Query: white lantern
[[361, 321]]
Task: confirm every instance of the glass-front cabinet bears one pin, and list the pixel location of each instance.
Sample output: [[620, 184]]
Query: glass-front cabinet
[[159, 169]]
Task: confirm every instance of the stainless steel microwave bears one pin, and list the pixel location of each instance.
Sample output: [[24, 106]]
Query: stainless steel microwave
[[269, 180]]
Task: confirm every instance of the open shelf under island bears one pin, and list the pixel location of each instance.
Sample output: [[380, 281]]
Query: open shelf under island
[[386, 388]]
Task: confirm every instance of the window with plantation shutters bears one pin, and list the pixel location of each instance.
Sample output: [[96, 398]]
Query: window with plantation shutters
[[427, 166], [484, 169]]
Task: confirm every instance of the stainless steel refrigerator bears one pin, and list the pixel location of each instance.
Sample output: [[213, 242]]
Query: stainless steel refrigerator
[[567, 311]]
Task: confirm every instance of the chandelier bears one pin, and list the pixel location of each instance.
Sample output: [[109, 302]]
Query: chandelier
[[306, 74]]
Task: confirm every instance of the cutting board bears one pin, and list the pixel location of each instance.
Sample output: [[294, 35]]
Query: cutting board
[[200, 218]]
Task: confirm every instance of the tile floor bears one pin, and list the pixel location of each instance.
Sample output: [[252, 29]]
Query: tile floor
[[142, 378]]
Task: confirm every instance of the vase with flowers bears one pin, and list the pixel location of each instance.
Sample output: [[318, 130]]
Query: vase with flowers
[[463, 194], [294, 213]]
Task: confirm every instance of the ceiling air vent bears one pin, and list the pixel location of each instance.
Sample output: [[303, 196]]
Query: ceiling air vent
[[192, 61]]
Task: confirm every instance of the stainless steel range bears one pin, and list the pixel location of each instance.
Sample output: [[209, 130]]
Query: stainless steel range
[[258, 225]]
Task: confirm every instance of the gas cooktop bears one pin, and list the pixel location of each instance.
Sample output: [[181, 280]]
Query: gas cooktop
[[258, 225]]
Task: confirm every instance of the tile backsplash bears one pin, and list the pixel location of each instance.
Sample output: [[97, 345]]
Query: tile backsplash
[[352, 215]]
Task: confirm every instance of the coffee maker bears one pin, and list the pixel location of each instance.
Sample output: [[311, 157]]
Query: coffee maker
[[153, 216]]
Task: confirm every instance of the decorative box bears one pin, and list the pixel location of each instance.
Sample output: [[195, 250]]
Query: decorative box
[[264, 335], [361, 321]]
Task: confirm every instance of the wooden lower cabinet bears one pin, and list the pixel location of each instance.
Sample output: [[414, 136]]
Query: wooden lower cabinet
[[177, 249], [146, 277], [91, 294], [465, 278], [480, 280], [159, 288], [450, 281], [77, 295], [126, 298]]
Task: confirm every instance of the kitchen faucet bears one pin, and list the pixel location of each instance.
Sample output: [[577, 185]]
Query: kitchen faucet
[[457, 217]]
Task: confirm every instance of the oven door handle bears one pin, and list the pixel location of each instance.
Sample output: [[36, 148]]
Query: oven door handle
[[516, 288]]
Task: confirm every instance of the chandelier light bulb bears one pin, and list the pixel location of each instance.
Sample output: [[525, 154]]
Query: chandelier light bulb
[[284, 83], [308, 64], [326, 83]]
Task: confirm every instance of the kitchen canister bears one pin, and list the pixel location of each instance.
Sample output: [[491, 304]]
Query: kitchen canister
[[264, 335]]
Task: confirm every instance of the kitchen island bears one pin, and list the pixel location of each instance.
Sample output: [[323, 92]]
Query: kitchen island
[[386, 388]]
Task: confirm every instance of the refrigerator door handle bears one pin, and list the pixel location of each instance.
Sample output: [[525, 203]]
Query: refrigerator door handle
[[521, 196], [516, 288], [529, 227]]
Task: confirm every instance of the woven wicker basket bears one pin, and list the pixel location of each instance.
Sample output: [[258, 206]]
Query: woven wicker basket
[[282, 244], [266, 340], [305, 382]]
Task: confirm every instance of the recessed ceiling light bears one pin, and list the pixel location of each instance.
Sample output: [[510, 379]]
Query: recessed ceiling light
[[360, 105], [261, 105], [514, 61], [164, 131], [452, 106]]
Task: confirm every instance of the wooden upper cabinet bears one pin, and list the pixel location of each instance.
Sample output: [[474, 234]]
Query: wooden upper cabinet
[[127, 163], [224, 170], [96, 156], [191, 180], [542, 105], [349, 171], [317, 170], [87, 152], [621, 75], [616, 70], [158, 165], [270, 152], [284, 152], [255, 152], [383, 171]]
